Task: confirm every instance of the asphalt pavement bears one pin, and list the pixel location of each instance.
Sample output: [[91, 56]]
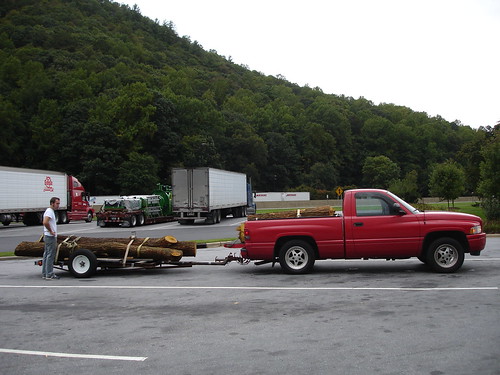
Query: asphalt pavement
[[347, 317]]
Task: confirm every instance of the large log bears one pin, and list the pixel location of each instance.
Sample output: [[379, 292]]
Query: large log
[[188, 247], [306, 212], [103, 249]]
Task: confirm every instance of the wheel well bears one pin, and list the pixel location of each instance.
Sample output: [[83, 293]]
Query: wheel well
[[431, 237], [281, 241]]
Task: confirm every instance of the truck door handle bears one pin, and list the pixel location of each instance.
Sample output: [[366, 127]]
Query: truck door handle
[[358, 224]]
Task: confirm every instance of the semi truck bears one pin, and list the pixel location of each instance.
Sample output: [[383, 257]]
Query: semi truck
[[25, 194], [210, 194], [129, 211], [373, 224]]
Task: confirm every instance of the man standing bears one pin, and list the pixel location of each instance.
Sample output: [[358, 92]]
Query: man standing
[[50, 239]]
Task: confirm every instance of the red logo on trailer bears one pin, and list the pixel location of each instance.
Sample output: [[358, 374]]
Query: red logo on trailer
[[48, 184]]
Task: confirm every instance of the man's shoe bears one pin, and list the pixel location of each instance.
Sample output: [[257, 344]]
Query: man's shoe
[[53, 277]]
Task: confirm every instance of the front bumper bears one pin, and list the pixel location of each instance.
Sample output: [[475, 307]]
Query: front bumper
[[477, 242]]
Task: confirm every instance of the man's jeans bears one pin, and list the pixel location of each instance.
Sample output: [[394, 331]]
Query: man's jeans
[[48, 255]]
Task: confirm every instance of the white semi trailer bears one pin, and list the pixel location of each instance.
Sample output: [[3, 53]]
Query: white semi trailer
[[25, 194], [210, 194]]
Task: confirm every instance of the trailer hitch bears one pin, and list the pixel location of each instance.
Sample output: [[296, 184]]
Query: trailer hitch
[[217, 262], [232, 258]]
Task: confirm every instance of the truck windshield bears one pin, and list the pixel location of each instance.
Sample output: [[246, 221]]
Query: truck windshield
[[408, 206]]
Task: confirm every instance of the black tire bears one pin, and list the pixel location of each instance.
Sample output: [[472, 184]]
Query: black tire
[[132, 221], [422, 258], [101, 223], [89, 217], [186, 221], [212, 217], [236, 211], [32, 218], [62, 217], [82, 263], [445, 255], [140, 219], [296, 257]]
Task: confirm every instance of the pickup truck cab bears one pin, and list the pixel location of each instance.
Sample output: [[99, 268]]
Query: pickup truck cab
[[373, 223]]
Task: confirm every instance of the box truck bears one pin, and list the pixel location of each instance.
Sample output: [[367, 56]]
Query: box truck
[[25, 194], [210, 194]]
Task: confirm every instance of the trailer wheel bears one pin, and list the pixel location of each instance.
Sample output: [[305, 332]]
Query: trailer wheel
[[296, 257], [445, 255], [82, 263]]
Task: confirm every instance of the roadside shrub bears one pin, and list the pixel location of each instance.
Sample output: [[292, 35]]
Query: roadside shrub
[[492, 226], [491, 207]]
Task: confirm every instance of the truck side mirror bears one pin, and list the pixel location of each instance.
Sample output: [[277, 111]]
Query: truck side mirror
[[396, 208]]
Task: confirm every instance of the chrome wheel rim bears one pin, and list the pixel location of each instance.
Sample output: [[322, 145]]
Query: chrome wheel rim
[[296, 257], [446, 256]]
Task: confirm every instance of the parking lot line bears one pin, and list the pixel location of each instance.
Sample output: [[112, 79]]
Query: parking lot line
[[494, 288], [73, 355]]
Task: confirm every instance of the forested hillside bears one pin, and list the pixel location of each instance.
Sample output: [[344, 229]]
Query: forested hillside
[[94, 89]]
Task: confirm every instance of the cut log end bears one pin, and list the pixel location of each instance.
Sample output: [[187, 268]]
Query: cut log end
[[170, 239]]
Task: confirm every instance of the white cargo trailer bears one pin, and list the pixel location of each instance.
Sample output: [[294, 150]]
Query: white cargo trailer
[[282, 196], [25, 194], [208, 193]]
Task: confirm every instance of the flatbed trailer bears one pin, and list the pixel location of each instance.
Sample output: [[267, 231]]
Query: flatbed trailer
[[83, 263]]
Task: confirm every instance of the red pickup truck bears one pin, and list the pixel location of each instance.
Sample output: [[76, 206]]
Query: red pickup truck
[[373, 224]]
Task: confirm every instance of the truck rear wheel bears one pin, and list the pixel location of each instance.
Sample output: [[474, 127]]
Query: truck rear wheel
[[62, 217], [132, 221], [445, 255], [140, 219], [82, 263], [297, 257]]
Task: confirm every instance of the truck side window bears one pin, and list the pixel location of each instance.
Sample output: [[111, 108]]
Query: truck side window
[[371, 205]]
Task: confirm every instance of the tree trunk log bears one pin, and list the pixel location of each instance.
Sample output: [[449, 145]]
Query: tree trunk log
[[306, 212], [103, 249], [188, 247]]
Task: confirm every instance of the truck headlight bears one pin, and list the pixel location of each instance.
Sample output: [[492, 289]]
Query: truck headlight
[[475, 229]]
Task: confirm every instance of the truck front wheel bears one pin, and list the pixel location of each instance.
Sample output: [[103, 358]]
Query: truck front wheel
[[445, 255], [296, 257], [82, 263]]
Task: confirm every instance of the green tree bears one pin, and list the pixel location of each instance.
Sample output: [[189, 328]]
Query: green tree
[[138, 175], [407, 188], [379, 171], [282, 163], [322, 176], [489, 186], [447, 181], [199, 151]]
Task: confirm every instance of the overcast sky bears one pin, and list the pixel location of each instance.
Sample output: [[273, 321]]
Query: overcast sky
[[437, 56]]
